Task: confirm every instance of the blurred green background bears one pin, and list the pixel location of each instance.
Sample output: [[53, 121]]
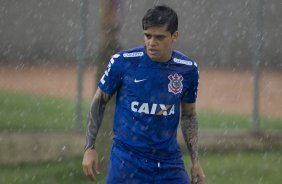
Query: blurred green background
[[42, 114]]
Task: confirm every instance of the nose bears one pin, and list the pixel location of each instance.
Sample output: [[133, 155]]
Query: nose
[[153, 42]]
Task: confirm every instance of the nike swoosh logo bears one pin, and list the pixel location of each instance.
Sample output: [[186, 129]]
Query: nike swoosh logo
[[136, 81]]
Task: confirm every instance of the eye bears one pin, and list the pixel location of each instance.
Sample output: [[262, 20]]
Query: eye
[[160, 37], [148, 36]]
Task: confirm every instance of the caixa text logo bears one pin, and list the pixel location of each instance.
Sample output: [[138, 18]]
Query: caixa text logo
[[156, 109]]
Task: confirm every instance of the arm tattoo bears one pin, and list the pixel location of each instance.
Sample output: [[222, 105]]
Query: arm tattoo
[[95, 117], [189, 126]]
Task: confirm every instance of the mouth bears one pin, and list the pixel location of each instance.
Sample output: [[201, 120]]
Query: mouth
[[152, 51]]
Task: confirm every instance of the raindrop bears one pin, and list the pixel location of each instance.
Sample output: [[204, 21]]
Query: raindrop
[[102, 159], [33, 178], [59, 159], [35, 148], [64, 148], [71, 174], [47, 166]]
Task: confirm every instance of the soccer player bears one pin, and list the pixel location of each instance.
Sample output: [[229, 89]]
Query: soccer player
[[152, 84]]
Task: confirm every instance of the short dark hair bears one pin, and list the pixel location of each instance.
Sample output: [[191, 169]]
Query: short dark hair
[[159, 16]]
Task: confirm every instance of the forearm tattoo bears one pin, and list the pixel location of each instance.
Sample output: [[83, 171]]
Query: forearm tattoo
[[95, 117], [189, 126]]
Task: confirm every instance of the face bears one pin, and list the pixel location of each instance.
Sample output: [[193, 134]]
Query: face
[[159, 43]]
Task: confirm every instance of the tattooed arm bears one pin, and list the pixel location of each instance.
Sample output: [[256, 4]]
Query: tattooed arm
[[95, 117], [189, 126]]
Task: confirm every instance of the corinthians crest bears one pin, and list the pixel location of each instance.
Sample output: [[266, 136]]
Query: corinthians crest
[[175, 85]]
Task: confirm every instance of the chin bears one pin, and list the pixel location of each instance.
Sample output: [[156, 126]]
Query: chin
[[153, 57]]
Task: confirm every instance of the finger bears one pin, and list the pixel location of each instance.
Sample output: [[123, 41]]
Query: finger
[[194, 180], [201, 179], [88, 171], [91, 175], [198, 180], [84, 170], [97, 168]]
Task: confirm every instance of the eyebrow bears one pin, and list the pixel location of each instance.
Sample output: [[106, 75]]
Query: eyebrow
[[157, 35]]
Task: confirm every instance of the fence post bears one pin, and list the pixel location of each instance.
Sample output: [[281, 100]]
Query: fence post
[[81, 63], [257, 65]]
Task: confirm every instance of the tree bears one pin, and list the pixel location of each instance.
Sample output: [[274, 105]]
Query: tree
[[110, 27]]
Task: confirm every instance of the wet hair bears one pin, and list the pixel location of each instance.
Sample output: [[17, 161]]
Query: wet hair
[[159, 16]]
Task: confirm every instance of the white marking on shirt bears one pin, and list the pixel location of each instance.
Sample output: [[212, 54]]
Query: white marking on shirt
[[136, 81]]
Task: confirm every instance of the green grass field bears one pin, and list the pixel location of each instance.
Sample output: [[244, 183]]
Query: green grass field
[[29, 113], [66, 171], [220, 168], [35, 113], [243, 168], [40, 113]]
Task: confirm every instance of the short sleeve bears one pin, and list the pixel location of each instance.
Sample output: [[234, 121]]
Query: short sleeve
[[190, 94], [111, 80]]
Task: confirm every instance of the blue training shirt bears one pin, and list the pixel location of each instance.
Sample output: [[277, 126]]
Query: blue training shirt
[[148, 101]]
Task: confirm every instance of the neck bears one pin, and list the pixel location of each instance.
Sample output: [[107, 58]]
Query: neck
[[160, 60]]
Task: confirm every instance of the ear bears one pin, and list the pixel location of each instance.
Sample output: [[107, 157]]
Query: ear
[[175, 36]]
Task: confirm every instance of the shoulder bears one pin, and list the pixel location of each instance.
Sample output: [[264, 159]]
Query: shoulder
[[185, 62], [126, 58], [133, 53]]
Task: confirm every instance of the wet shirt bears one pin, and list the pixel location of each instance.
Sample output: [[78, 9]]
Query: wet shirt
[[148, 98]]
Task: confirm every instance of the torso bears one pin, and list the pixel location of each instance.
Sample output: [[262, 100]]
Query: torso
[[148, 102]]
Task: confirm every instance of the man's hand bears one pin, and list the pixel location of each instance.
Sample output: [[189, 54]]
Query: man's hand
[[90, 161], [197, 173]]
